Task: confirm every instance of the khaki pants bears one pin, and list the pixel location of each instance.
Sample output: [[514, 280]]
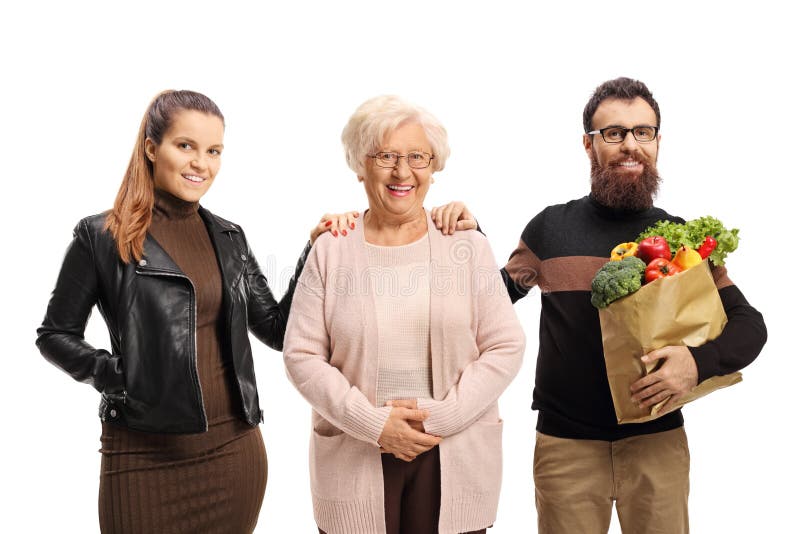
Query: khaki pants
[[577, 482]]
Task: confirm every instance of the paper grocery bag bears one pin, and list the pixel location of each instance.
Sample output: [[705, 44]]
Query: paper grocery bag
[[684, 309]]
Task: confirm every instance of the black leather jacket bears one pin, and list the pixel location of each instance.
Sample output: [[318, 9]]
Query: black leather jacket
[[149, 379]]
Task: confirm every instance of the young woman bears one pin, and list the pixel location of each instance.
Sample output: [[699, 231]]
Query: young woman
[[178, 287]]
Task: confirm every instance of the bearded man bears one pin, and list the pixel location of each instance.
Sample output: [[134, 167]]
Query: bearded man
[[584, 461]]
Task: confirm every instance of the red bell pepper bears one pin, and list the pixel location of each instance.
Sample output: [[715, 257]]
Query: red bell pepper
[[707, 247]]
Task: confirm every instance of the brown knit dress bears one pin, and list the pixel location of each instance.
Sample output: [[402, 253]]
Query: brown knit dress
[[211, 482]]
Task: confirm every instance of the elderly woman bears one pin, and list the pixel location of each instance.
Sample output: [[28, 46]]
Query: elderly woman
[[402, 339]]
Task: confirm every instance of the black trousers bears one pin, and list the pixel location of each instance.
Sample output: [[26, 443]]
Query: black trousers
[[412, 494]]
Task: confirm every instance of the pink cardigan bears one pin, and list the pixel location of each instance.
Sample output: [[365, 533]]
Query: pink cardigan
[[477, 345]]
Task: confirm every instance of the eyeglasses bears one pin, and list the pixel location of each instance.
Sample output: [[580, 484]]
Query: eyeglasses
[[617, 134], [388, 160]]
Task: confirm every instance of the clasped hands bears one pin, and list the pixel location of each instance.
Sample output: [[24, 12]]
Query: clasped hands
[[403, 434], [673, 380]]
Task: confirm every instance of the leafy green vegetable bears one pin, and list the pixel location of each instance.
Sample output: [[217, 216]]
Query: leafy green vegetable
[[692, 233], [617, 279]]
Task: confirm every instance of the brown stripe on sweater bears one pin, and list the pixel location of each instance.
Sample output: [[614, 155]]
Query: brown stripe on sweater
[[575, 273], [569, 273], [523, 267]]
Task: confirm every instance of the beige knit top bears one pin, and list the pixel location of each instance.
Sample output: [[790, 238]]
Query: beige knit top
[[400, 279]]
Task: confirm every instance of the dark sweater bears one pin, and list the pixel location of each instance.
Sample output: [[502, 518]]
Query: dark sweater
[[560, 251]]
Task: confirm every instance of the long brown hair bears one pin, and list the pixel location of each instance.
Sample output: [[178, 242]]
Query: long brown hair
[[132, 213]]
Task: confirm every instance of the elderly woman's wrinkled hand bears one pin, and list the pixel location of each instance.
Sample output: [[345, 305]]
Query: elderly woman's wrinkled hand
[[411, 404], [401, 439], [335, 223], [453, 216]]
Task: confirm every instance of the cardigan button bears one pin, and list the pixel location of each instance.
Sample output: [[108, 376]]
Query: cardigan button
[[113, 413], [244, 257], [142, 262]]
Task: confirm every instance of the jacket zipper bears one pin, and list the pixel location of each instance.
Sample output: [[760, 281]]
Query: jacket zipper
[[247, 414], [233, 364], [196, 373]]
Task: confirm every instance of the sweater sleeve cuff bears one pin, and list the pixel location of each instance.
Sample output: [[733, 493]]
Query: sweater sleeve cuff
[[706, 357], [444, 418], [365, 422]]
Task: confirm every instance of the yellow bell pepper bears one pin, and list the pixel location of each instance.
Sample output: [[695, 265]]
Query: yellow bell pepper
[[623, 250]]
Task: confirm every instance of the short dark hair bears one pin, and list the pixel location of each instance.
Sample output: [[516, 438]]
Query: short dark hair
[[622, 89]]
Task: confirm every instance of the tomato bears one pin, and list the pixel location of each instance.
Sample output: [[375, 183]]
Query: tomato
[[660, 268]]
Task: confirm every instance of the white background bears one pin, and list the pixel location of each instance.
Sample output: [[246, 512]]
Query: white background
[[509, 81]]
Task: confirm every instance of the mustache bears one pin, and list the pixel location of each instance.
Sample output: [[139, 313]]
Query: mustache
[[638, 158]]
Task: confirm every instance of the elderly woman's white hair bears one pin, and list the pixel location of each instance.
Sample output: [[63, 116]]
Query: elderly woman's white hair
[[368, 126]]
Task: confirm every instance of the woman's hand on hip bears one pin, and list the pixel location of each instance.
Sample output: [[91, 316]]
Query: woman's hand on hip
[[401, 439], [335, 223]]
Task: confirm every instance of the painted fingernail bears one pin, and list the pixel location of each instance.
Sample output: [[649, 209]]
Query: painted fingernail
[[344, 232], [352, 226], [335, 233], [328, 223]]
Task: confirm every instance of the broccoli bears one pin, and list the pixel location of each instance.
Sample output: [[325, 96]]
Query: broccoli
[[616, 279]]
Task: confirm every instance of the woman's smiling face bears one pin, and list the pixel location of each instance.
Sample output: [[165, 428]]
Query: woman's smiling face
[[188, 158], [398, 193]]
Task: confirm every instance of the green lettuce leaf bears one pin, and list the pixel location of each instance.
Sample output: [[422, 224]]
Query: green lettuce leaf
[[693, 233]]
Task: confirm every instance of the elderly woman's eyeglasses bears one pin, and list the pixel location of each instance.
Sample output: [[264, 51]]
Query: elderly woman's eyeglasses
[[416, 160], [617, 134]]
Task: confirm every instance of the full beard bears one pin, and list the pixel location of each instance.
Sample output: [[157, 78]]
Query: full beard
[[618, 190]]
